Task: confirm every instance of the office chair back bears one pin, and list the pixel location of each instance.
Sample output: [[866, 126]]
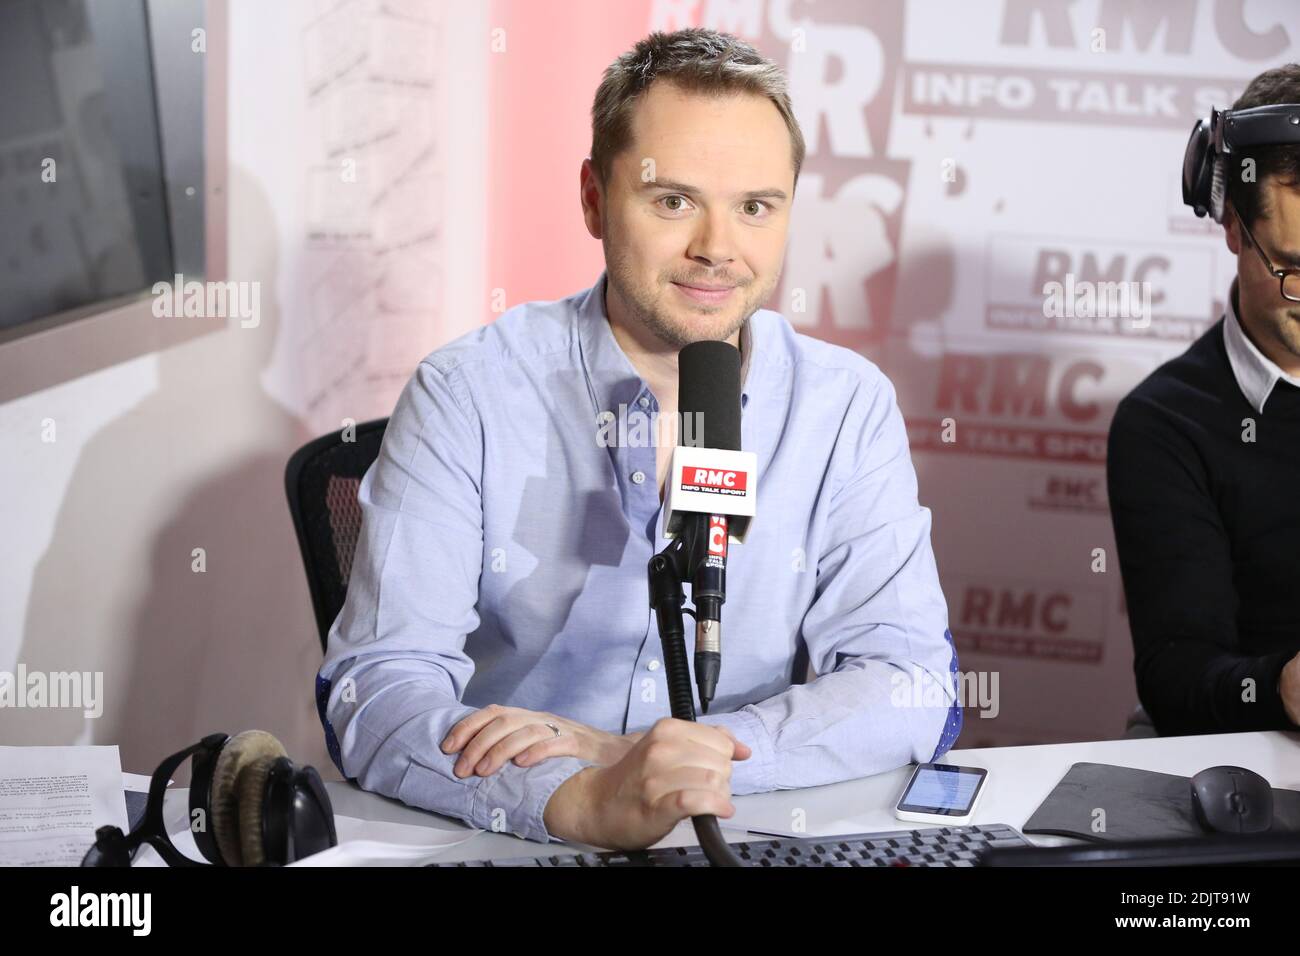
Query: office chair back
[[321, 482]]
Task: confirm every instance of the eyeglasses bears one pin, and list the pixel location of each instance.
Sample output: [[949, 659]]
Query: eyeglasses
[[1289, 278]]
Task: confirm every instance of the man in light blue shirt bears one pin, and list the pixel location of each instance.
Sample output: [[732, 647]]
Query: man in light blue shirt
[[497, 659]]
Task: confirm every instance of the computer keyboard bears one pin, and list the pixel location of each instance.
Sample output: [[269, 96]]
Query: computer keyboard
[[934, 846]]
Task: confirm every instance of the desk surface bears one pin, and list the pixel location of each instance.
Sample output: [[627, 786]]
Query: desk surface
[[1019, 779]]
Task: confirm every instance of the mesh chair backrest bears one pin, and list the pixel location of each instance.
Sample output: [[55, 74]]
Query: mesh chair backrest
[[321, 481]]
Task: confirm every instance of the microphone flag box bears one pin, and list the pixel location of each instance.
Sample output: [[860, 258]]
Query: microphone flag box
[[712, 481]]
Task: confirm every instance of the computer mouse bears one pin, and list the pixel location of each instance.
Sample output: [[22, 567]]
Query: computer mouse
[[1232, 800]]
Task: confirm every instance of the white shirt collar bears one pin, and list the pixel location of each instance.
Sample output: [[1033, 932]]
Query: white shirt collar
[[1255, 372]]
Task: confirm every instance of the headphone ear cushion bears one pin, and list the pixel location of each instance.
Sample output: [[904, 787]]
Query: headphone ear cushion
[[252, 797], [1196, 168], [240, 754], [1218, 188]]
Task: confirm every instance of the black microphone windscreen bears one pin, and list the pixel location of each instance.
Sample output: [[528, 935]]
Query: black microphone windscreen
[[708, 395]]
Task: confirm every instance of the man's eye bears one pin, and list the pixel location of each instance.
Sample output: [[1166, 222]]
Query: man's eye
[[671, 199], [760, 206]]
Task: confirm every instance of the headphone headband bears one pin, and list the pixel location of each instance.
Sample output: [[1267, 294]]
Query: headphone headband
[[1220, 135], [1277, 124]]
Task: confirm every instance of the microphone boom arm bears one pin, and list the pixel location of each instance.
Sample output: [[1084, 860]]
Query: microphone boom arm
[[667, 570]]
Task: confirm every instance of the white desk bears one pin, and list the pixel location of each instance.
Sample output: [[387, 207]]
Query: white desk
[[1020, 778]]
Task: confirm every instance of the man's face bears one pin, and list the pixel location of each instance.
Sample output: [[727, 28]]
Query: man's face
[[1273, 322], [701, 197]]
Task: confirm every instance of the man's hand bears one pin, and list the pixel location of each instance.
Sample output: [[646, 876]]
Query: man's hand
[[677, 769], [487, 738], [1288, 686]]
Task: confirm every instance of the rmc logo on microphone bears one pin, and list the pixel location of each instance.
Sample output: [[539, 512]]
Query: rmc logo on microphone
[[713, 481]]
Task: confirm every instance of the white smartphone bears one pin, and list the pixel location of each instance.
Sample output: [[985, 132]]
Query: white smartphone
[[941, 793]]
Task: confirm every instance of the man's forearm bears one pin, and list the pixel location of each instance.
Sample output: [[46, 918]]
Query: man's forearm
[[569, 811], [860, 720], [389, 737], [1193, 687]]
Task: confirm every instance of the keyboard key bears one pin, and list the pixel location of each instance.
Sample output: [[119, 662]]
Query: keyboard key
[[1006, 841]]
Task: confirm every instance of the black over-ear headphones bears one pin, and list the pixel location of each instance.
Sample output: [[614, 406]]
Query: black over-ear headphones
[[249, 806], [1214, 141]]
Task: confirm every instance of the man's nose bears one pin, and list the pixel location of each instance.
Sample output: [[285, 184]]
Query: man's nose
[[712, 243]]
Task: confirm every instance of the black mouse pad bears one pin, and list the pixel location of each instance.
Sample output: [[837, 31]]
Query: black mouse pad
[[1138, 805]]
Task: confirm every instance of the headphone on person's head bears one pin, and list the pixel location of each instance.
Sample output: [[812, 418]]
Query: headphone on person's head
[[249, 806], [1214, 141]]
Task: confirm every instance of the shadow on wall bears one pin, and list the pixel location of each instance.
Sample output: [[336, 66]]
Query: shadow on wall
[[228, 649]]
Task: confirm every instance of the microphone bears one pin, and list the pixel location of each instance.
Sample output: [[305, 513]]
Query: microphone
[[711, 494]]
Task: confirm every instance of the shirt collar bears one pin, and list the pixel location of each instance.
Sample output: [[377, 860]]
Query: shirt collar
[[1255, 372], [611, 377]]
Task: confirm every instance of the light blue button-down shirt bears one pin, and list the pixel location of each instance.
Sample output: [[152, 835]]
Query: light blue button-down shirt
[[503, 556]]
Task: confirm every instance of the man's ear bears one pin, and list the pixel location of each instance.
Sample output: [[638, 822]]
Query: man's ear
[[1232, 229], [592, 198]]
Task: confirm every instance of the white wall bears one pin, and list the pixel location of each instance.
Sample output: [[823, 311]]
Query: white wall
[[186, 448]]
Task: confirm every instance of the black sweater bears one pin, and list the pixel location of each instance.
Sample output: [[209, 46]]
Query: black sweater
[[1208, 529]]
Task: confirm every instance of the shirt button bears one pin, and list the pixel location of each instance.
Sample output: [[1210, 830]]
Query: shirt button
[[652, 666], [643, 401], [638, 477]]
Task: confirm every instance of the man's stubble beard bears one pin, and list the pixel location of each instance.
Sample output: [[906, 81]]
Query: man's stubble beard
[[1287, 332], [646, 312], [1282, 331]]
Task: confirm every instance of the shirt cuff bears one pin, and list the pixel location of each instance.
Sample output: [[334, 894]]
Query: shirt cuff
[[757, 774], [514, 798]]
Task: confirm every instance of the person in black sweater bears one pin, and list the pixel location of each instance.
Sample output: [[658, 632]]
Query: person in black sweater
[[1203, 472]]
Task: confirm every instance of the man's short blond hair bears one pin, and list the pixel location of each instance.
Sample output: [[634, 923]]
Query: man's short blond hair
[[697, 61]]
